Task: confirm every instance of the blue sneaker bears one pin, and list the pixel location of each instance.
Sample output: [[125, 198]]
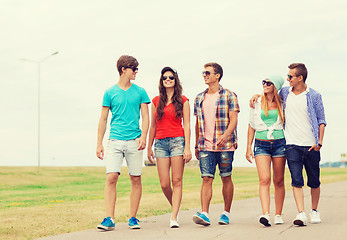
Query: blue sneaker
[[224, 220], [202, 219], [134, 223], [107, 224]]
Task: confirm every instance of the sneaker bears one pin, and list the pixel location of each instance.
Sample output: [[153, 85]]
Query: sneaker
[[265, 220], [278, 219], [315, 216], [202, 219], [301, 219], [107, 224], [224, 220], [134, 223], [174, 224]]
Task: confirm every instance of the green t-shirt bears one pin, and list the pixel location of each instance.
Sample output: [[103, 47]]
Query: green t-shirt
[[269, 120]]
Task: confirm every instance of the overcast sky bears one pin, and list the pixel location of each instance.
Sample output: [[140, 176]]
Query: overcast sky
[[250, 39]]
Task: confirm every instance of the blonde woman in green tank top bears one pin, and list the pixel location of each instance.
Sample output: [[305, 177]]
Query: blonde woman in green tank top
[[266, 126]]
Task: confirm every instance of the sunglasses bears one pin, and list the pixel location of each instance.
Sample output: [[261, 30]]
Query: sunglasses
[[207, 73], [170, 77], [290, 77], [267, 83], [133, 68]]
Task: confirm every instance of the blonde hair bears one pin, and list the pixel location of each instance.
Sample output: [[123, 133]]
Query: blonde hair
[[278, 101]]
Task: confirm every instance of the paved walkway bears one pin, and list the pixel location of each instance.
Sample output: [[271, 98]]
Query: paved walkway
[[243, 222]]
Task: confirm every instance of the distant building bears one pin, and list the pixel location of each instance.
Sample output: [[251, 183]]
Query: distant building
[[344, 159], [341, 164]]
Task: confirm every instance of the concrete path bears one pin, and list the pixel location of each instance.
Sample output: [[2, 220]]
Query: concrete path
[[243, 222]]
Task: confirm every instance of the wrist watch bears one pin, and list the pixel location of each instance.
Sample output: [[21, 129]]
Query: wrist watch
[[320, 145]]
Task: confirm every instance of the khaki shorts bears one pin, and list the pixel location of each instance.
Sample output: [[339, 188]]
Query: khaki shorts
[[117, 150]]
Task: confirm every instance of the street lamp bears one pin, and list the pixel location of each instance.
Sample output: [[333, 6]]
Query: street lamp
[[38, 100]]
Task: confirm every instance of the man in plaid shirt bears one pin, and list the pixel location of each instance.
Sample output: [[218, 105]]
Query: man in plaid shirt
[[216, 110]]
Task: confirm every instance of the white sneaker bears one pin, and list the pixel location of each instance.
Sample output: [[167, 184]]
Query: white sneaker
[[278, 219], [174, 224], [301, 219], [265, 220], [315, 217]]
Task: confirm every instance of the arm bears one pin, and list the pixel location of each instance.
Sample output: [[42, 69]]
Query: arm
[[196, 138], [321, 122], [187, 154], [145, 124], [101, 132], [253, 100], [151, 135], [231, 127], [250, 137], [320, 138]]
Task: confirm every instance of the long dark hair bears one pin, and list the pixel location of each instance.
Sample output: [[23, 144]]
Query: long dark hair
[[176, 98]]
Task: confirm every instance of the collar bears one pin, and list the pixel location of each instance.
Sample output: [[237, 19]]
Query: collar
[[306, 91], [219, 90]]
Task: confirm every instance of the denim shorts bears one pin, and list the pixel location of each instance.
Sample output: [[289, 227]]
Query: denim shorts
[[299, 156], [209, 161], [117, 150], [273, 148], [169, 147]]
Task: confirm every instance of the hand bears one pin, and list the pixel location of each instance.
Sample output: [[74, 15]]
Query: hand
[[187, 155], [249, 155], [100, 152], [150, 155], [141, 143], [253, 100], [222, 140], [197, 153], [315, 147]]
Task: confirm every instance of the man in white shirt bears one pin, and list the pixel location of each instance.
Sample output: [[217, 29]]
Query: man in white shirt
[[304, 131]]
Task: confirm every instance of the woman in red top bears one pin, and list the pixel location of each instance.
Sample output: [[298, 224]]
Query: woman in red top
[[172, 141]]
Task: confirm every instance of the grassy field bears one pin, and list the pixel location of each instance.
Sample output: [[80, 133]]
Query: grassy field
[[37, 202]]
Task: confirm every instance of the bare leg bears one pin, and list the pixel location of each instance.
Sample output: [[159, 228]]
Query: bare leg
[[228, 192], [315, 194], [299, 198], [206, 193], [163, 167], [177, 164], [264, 171], [278, 166], [135, 195], [111, 193]]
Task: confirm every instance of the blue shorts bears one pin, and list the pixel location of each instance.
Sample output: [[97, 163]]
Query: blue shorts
[[169, 147], [273, 148], [299, 156], [209, 161]]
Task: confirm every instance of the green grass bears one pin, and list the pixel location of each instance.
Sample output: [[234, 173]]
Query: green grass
[[37, 202]]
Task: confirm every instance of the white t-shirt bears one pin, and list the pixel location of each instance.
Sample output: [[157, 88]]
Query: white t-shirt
[[297, 121]]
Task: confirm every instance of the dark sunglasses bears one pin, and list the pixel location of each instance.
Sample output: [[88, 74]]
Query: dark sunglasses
[[290, 77], [133, 68], [267, 83], [170, 77], [207, 73]]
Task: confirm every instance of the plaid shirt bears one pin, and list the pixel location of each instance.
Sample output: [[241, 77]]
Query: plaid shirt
[[226, 102]]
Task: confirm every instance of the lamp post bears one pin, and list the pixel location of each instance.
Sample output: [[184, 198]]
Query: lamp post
[[38, 101]]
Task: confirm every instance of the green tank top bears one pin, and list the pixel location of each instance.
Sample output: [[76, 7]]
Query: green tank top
[[269, 120]]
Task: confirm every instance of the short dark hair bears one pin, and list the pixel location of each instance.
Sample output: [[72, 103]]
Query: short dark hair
[[300, 69], [216, 67], [126, 61]]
